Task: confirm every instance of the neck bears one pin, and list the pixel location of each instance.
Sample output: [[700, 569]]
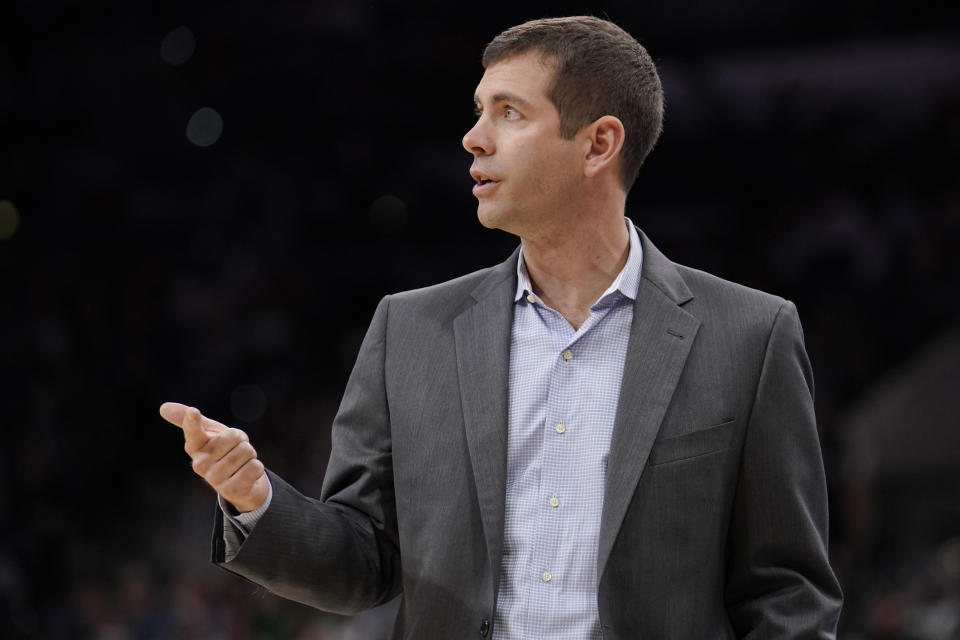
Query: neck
[[570, 266]]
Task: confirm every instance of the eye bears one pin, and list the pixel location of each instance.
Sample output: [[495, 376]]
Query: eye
[[477, 112], [510, 113]]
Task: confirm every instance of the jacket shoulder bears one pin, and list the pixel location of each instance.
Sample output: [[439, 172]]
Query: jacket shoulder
[[450, 298], [714, 297]]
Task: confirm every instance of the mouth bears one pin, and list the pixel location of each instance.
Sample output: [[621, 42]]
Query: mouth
[[484, 186], [484, 183]]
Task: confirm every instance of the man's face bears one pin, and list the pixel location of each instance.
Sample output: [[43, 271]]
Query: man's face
[[525, 171]]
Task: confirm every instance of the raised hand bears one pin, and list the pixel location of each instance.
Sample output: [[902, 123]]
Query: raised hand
[[221, 455]]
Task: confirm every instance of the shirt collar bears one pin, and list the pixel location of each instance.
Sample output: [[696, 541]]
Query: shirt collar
[[627, 281]]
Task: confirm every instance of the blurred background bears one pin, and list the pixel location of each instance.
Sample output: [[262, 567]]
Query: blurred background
[[204, 202]]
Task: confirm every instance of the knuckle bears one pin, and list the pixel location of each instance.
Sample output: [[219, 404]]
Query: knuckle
[[228, 489], [199, 465], [227, 438], [246, 450], [221, 442]]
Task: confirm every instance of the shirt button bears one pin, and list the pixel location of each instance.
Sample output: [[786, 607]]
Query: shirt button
[[567, 354], [546, 576], [531, 297], [554, 502], [484, 628], [560, 428]]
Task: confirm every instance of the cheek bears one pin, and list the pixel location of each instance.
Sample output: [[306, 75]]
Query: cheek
[[554, 170], [540, 166]]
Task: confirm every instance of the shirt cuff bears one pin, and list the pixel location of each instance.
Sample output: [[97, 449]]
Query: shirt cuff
[[245, 522]]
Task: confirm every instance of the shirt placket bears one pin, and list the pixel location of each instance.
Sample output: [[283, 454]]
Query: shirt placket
[[556, 498]]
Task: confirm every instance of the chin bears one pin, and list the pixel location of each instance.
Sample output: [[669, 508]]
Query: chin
[[489, 216], [507, 220]]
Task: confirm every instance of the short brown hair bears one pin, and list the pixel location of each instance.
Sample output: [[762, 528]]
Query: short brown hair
[[599, 69]]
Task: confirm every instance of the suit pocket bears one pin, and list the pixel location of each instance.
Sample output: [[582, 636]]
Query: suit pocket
[[691, 445]]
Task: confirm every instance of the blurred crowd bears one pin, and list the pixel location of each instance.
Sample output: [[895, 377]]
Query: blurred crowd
[[232, 261]]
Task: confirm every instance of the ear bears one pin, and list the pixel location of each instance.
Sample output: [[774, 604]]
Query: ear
[[605, 137]]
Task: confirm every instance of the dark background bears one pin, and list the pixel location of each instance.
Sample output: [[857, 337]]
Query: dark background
[[810, 150]]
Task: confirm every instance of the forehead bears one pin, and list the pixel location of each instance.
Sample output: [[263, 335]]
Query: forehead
[[526, 75]]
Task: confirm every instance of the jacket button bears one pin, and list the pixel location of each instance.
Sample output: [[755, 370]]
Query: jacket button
[[484, 628]]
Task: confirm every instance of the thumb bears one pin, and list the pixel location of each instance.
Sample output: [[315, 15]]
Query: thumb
[[173, 412], [190, 420]]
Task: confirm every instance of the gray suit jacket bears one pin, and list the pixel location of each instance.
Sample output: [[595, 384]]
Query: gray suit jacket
[[715, 510]]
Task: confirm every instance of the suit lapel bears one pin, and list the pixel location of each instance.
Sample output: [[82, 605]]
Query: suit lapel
[[482, 335], [660, 339]]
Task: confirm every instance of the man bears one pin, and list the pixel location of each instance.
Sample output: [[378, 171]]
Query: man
[[586, 441]]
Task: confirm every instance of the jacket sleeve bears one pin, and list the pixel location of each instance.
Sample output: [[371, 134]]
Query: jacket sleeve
[[339, 553], [780, 583]]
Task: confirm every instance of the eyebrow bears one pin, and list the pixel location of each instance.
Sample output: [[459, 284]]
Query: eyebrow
[[505, 97]]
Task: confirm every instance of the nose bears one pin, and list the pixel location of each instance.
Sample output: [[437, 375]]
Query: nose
[[477, 140]]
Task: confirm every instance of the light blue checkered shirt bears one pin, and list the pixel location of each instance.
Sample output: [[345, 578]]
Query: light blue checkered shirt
[[564, 390]]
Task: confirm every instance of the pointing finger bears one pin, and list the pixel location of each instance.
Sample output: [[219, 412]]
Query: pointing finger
[[173, 412], [197, 429], [193, 432]]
